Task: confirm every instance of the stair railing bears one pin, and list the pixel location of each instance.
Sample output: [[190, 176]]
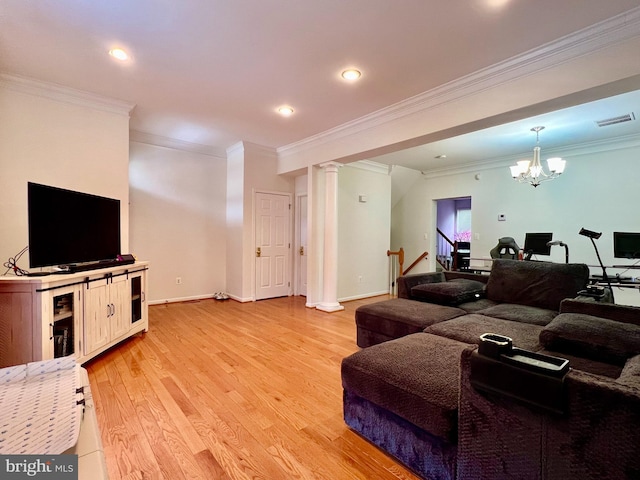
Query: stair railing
[[423, 255], [397, 269], [446, 255]]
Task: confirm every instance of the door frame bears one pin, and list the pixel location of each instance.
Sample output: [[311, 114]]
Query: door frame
[[254, 278], [298, 231]]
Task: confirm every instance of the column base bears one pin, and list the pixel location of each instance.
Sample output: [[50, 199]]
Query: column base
[[329, 307]]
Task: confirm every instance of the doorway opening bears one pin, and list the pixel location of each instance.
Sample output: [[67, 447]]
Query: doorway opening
[[453, 227], [273, 244]]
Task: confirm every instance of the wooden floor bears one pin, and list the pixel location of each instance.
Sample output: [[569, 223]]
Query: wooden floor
[[227, 390]]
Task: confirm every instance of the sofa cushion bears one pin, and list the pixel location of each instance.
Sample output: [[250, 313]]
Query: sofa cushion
[[592, 337], [520, 313], [416, 377], [468, 329], [537, 284], [407, 282], [620, 313], [452, 292], [477, 305], [398, 317]]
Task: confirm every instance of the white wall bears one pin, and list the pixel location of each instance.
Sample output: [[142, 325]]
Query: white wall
[[252, 168], [63, 138], [597, 191], [364, 230], [235, 218], [410, 222], [178, 220]]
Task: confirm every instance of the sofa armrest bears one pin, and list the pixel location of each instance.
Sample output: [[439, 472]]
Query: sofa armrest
[[407, 282], [597, 437], [610, 311]]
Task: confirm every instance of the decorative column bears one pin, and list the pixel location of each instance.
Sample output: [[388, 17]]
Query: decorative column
[[330, 257]]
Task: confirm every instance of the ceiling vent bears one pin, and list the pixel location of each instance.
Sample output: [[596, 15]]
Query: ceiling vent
[[615, 120]]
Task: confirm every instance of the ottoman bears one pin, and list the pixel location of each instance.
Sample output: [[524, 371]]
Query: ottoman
[[402, 395]]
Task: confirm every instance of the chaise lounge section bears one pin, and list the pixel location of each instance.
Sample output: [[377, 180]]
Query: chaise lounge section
[[412, 395]]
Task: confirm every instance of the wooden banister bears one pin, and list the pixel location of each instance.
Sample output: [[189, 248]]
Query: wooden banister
[[400, 254], [446, 239], [422, 255]]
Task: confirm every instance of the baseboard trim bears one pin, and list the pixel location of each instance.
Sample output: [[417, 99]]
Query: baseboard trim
[[364, 295], [181, 299]]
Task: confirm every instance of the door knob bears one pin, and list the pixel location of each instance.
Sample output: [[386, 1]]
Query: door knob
[[301, 250], [258, 252]]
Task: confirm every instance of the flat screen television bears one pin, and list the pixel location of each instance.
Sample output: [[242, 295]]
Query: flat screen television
[[626, 245], [536, 243], [68, 227]]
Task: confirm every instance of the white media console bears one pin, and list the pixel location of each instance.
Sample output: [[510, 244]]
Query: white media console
[[81, 314]]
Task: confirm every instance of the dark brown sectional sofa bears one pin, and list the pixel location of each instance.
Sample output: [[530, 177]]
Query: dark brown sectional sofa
[[414, 389]]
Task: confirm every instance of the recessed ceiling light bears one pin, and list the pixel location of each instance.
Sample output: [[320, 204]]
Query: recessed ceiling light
[[119, 53], [285, 111], [351, 74]]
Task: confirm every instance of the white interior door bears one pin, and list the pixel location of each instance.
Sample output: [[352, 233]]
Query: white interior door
[[302, 245], [272, 245]]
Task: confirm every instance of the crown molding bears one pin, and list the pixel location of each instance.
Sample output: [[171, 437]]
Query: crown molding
[[175, 144], [604, 34], [567, 152], [235, 148], [257, 149], [59, 93], [254, 148], [371, 166]]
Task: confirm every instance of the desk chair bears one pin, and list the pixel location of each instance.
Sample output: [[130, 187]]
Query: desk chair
[[506, 248]]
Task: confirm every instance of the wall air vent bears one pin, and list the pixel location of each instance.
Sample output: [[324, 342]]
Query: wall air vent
[[615, 120]]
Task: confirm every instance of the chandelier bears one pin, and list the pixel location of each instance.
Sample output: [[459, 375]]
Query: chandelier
[[531, 171]]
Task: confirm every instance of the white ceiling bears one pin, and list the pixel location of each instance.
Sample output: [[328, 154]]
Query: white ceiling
[[213, 72]]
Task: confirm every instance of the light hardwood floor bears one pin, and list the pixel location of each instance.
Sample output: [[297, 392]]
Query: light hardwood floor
[[228, 390]]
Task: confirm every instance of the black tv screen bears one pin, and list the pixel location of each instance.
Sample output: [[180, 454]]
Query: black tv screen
[[68, 227], [536, 243], [626, 245]]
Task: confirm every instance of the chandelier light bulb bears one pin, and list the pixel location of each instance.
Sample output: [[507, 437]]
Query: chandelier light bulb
[[532, 172]]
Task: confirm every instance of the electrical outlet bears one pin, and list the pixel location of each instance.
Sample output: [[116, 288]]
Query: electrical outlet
[[178, 280]]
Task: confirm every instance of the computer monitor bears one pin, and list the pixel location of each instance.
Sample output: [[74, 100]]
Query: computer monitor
[[626, 245], [536, 244]]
